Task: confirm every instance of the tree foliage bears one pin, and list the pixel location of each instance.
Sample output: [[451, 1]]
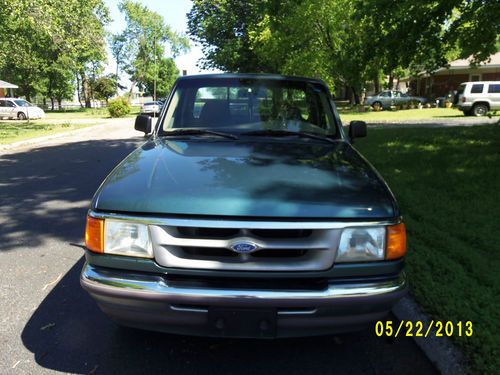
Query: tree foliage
[[44, 44], [344, 42], [146, 40], [224, 30], [104, 87]]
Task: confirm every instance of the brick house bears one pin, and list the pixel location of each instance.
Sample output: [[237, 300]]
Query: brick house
[[446, 80]]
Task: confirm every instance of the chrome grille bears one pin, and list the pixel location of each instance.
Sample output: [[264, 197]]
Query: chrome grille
[[198, 247]]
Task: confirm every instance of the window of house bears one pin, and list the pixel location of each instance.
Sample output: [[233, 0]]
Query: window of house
[[475, 77]]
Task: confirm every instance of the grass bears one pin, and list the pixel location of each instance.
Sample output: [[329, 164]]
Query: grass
[[407, 114], [84, 113], [447, 182], [17, 131]]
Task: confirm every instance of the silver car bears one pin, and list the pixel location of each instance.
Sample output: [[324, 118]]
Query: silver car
[[478, 98], [389, 98], [19, 108], [151, 108]]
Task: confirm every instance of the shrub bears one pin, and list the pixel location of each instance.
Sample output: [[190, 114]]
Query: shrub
[[118, 107]]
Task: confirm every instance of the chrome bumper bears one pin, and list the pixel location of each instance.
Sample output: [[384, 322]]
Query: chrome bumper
[[148, 301]]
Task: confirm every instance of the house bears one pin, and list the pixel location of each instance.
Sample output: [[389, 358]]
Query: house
[[3, 89], [445, 80]]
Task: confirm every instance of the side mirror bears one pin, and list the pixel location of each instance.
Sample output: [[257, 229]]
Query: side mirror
[[143, 124], [357, 129]]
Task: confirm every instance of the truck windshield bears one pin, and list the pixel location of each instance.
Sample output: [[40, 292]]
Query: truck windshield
[[242, 105]]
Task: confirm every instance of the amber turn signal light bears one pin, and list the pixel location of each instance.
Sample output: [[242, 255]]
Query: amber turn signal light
[[396, 241], [94, 235]]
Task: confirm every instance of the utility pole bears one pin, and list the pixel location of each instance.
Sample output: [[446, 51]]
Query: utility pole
[[154, 84]]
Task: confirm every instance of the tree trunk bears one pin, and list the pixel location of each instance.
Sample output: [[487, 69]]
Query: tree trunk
[[130, 92], [59, 103], [78, 90], [52, 103], [355, 94], [391, 82], [27, 93], [376, 84], [86, 91]]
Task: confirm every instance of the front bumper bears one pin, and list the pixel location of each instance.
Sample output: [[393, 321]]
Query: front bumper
[[149, 301]]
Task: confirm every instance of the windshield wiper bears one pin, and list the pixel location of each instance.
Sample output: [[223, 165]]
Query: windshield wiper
[[180, 132], [287, 133]]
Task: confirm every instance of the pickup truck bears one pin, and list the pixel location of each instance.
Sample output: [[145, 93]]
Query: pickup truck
[[246, 213]]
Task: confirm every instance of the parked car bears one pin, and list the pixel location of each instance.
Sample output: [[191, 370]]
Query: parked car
[[19, 108], [478, 98], [389, 98], [252, 217], [152, 108]]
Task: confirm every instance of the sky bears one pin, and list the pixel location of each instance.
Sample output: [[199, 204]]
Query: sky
[[174, 13]]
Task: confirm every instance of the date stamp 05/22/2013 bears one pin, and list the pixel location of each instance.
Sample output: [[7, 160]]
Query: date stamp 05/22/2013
[[436, 328]]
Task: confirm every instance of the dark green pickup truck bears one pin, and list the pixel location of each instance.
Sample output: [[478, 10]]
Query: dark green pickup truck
[[247, 213]]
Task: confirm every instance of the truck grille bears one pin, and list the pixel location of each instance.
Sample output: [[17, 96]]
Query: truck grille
[[277, 249]]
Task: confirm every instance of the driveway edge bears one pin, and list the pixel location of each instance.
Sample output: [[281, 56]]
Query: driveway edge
[[440, 350]]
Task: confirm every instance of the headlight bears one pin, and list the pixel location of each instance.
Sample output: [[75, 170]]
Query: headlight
[[125, 238], [365, 244], [362, 244], [119, 237]]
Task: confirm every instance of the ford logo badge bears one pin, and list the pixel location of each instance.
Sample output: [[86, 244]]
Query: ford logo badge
[[244, 247]]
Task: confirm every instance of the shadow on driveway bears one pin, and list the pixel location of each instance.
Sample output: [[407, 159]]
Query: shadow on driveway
[[45, 191]]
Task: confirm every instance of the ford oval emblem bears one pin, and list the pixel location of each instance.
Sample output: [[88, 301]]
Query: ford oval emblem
[[244, 247]]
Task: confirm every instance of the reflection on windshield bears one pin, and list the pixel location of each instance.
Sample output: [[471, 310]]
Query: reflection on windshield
[[238, 104]]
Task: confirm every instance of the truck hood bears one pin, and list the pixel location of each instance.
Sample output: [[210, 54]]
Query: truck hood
[[264, 178]]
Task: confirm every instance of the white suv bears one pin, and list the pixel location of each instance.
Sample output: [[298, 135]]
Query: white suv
[[478, 98], [20, 109]]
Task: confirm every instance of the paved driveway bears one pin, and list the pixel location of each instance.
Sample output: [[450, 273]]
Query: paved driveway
[[48, 324]]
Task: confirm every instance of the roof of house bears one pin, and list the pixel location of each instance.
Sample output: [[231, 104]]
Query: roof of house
[[465, 63], [7, 85]]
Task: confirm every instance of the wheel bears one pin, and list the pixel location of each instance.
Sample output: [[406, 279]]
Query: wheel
[[376, 105], [21, 116], [480, 109]]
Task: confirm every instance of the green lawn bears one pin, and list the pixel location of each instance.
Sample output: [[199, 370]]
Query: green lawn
[[84, 113], [447, 182], [13, 131], [405, 114]]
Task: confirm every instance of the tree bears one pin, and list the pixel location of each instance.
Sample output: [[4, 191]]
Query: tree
[[167, 73], [314, 38], [104, 87], [429, 33], [224, 30], [118, 45], [52, 40], [344, 42], [147, 39]]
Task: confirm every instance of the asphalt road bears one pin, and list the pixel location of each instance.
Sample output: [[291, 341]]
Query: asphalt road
[[49, 324]]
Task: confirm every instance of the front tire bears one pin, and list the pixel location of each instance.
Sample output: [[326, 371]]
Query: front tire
[[21, 116], [480, 110]]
